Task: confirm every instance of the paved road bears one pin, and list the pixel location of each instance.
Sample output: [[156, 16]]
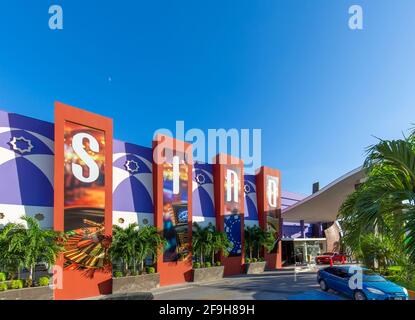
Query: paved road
[[267, 286]]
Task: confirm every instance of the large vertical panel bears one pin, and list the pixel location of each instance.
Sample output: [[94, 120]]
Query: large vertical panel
[[251, 207], [203, 198], [269, 210], [26, 160], [83, 201], [132, 185], [229, 206], [172, 185]]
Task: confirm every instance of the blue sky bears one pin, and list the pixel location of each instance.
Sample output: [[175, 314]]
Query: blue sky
[[318, 90]]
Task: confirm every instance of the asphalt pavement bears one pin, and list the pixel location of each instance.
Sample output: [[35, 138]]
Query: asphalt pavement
[[270, 285]]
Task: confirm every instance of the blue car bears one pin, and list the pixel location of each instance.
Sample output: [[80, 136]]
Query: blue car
[[359, 283]]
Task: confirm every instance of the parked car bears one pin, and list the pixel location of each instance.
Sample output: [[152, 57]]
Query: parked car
[[365, 284], [334, 256]]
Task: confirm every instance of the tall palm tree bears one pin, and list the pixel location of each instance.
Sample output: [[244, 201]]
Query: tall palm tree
[[249, 238], [385, 202], [220, 243], [36, 245], [124, 245], [149, 241], [202, 241]]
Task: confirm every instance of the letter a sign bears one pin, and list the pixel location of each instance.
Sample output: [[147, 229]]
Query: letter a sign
[[83, 201]]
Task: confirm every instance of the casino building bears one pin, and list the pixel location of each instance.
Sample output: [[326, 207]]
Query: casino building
[[72, 175]]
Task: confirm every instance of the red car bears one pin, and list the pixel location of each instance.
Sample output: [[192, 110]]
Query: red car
[[333, 256]]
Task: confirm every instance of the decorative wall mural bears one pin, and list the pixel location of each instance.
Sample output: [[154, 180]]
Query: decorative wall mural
[[84, 198], [233, 205], [175, 212], [203, 203], [250, 196], [233, 231], [26, 159]]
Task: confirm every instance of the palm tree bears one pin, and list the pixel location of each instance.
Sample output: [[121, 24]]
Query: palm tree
[[202, 241], [34, 245], [10, 257], [249, 237], [267, 240], [149, 241], [385, 203], [124, 245], [220, 243]]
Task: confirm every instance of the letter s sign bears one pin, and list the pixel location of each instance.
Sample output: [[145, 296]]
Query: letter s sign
[[78, 147]]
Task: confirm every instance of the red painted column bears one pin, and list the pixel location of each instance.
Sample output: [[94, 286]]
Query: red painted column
[[229, 207], [83, 202], [171, 202], [269, 210]]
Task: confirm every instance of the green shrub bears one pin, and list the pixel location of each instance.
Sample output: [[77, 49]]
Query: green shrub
[[3, 286], [2, 276], [118, 274], [196, 265], [248, 260], [134, 273], [208, 265], [218, 263], [43, 281], [16, 284], [254, 260], [151, 270]]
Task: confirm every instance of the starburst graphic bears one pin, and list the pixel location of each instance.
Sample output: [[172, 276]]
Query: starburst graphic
[[132, 166], [200, 178], [21, 144]]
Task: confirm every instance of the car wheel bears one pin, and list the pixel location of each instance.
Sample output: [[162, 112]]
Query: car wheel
[[323, 285], [359, 295]]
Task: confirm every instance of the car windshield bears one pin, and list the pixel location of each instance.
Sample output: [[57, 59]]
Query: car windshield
[[370, 276], [327, 254]]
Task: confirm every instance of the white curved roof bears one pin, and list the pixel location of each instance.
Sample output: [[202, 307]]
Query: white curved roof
[[324, 205]]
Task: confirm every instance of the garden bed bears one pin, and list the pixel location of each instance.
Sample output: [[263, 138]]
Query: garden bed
[[35, 293], [255, 267], [208, 274], [133, 284]]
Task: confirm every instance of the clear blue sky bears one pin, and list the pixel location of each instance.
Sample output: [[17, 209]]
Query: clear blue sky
[[318, 90]]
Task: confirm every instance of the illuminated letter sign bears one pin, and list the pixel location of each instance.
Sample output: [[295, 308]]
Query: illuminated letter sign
[[83, 201], [272, 191], [79, 149], [232, 184]]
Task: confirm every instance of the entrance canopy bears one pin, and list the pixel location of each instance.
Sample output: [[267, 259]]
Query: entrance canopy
[[323, 206]]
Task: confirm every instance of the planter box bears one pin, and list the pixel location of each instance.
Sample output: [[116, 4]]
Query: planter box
[[36, 293], [255, 267], [133, 284], [208, 274]]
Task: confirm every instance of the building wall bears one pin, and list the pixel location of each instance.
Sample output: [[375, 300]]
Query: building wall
[[26, 160], [132, 184], [203, 203], [26, 169], [251, 206]]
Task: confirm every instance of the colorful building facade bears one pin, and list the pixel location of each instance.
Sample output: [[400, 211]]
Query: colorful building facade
[[36, 156]]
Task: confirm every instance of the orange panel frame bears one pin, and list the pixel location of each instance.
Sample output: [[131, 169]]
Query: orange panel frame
[[174, 272], [74, 284], [233, 265], [273, 259]]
